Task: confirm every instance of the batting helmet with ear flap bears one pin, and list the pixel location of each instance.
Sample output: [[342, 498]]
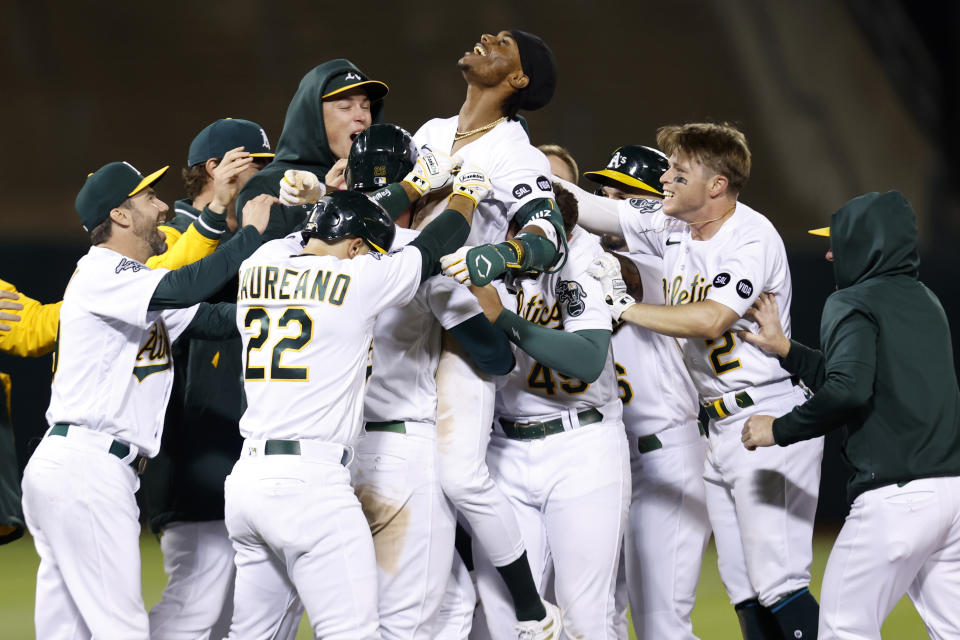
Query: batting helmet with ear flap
[[380, 154], [350, 214], [635, 167]]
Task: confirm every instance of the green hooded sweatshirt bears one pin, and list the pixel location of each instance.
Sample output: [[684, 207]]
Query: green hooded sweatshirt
[[303, 145], [886, 370]]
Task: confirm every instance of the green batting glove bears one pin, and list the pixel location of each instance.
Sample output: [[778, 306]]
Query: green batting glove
[[486, 262]]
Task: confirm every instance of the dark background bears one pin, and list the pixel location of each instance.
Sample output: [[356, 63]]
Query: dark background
[[836, 98]]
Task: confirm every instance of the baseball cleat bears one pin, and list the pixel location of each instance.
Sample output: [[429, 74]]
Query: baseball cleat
[[547, 629]]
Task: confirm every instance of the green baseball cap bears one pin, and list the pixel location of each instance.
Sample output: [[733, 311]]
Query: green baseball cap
[[229, 133], [108, 187], [347, 80]]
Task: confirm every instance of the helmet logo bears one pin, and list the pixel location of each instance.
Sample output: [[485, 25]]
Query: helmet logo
[[617, 161], [483, 266]]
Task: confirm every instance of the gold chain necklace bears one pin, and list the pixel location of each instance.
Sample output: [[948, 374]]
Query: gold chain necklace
[[458, 136]]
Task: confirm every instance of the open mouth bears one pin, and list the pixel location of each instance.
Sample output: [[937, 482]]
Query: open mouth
[[479, 50]]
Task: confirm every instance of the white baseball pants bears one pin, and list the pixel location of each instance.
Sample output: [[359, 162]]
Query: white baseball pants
[[464, 415], [571, 492], [667, 534], [395, 479], [197, 602], [762, 504], [79, 504], [299, 535], [895, 540]]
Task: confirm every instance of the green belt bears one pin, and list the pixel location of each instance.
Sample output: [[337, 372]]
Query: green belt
[[533, 430], [649, 443], [292, 448], [281, 448], [117, 448], [393, 427], [718, 410]]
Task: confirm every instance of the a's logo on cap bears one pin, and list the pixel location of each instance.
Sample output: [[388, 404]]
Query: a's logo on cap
[[616, 161], [266, 142], [352, 76]]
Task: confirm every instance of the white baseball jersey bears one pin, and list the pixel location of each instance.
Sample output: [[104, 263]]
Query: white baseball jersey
[[655, 388], [406, 348], [306, 322], [113, 368], [518, 171], [745, 258], [570, 300]]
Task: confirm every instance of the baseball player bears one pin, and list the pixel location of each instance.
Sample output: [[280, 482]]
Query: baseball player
[[562, 163], [558, 449], [900, 404], [307, 305], [668, 530], [395, 471], [719, 255], [184, 495], [112, 378], [334, 102], [506, 72]]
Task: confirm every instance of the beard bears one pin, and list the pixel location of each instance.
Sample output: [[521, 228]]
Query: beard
[[151, 234], [158, 242]]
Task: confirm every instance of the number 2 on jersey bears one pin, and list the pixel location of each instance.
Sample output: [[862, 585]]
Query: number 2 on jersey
[[259, 316], [719, 366]]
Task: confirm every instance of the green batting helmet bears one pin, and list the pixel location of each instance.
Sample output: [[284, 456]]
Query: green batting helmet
[[633, 166], [346, 214], [380, 154]]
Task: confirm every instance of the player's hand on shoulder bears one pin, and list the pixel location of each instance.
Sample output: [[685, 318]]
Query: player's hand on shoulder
[[472, 182], [454, 265], [769, 336], [758, 432], [256, 212], [606, 270], [336, 178], [226, 178], [298, 187], [433, 171]]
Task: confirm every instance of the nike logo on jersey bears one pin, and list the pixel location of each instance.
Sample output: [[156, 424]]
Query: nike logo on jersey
[[671, 242]]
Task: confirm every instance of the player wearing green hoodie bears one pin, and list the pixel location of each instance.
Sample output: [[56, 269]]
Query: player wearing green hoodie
[[334, 103], [886, 375]]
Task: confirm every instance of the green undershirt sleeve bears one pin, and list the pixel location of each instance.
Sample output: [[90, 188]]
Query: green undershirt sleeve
[[196, 282], [213, 322], [392, 198], [487, 345], [581, 354], [445, 234]]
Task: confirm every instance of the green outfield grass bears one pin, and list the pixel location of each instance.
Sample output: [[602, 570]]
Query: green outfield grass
[[713, 616]]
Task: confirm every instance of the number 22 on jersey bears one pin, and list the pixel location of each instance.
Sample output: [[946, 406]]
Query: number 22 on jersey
[[288, 329]]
